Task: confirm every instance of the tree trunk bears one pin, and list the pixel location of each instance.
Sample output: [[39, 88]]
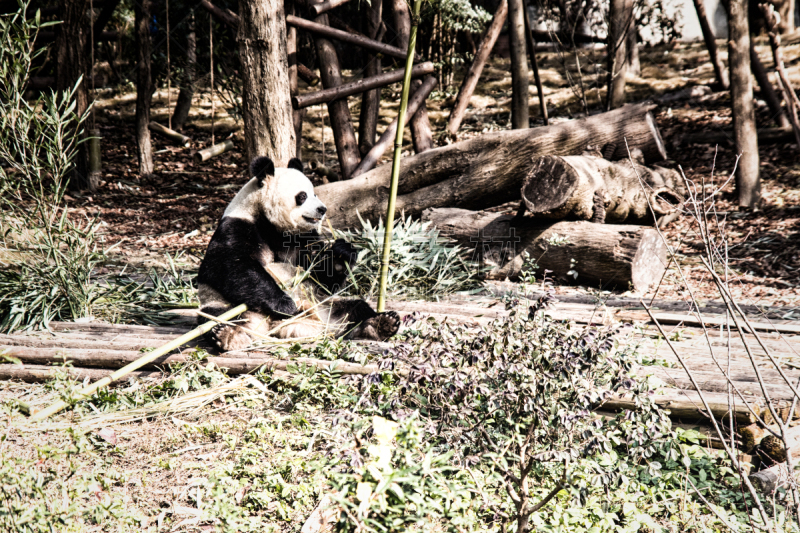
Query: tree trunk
[[520, 116], [420, 125], [266, 104], [620, 256], [711, 45], [144, 88], [748, 181], [475, 69], [767, 90], [531, 40], [72, 41], [184, 103], [632, 52], [344, 136], [294, 69], [620, 20], [370, 100], [592, 188], [488, 170]]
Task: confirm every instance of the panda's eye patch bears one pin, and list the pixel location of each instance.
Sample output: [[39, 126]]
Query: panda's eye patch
[[301, 198]]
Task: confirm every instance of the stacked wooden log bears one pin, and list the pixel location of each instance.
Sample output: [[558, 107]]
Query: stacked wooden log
[[563, 198]]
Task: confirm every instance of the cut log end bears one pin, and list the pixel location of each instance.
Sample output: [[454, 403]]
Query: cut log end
[[212, 151]]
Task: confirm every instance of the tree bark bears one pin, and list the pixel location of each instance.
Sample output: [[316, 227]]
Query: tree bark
[[291, 53], [767, 90], [370, 100], [711, 45], [748, 181], [184, 103], [266, 104], [592, 188], [531, 40], [614, 256], [488, 170], [144, 88], [620, 19], [520, 115], [72, 41], [475, 69], [420, 125], [344, 136]]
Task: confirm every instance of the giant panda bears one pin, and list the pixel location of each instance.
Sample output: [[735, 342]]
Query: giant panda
[[267, 239]]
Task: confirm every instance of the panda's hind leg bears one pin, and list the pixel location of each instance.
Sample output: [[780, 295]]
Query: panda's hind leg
[[364, 322], [380, 327], [228, 337]]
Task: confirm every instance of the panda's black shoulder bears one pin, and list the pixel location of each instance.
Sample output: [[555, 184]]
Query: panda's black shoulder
[[234, 234]]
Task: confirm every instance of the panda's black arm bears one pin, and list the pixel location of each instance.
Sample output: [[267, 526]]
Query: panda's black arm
[[252, 285], [230, 268], [329, 264]]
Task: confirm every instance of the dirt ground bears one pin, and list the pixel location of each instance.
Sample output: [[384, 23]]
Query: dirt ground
[[176, 209]]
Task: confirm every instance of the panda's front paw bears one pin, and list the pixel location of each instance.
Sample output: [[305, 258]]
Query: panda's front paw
[[285, 306], [344, 251]]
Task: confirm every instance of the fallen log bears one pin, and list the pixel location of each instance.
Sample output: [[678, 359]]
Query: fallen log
[[347, 89], [213, 151], [369, 161], [234, 362], [591, 188], [488, 170], [41, 373], [610, 255], [686, 405], [172, 135], [773, 447], [771, 479]]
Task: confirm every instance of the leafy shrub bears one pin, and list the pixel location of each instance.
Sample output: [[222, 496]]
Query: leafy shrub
[[422, 264], [516, 399], [47, 257]]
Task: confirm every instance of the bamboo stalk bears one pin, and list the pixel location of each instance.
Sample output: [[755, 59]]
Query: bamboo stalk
[[398, 145], [155, 354]]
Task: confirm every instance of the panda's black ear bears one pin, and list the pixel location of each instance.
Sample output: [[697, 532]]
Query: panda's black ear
[[261, 167], [295, 164]]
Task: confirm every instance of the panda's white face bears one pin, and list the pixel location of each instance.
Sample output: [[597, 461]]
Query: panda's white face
[[286, 199], [289, 202]]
